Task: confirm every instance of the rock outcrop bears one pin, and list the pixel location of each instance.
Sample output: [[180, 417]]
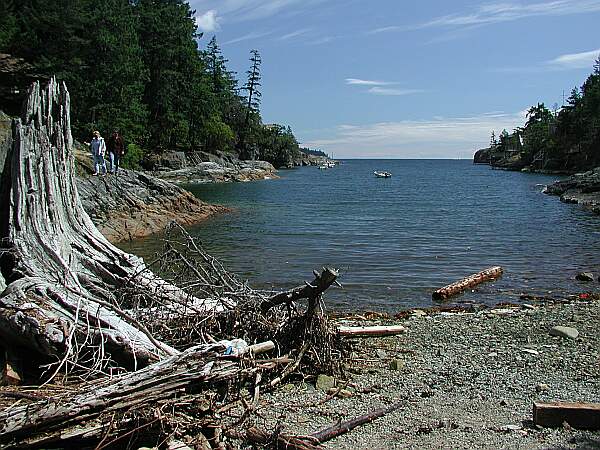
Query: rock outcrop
[[581, 188], [202, 167], [134, 204], [500, 159]]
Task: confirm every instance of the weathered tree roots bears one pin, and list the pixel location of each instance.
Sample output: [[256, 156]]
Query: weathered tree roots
[[129, 351]]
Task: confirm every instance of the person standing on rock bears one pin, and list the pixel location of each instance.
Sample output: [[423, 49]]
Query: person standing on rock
[[98, 148], [116, 149]]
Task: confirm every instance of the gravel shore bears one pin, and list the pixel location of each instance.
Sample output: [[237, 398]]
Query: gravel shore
[[465, 380]]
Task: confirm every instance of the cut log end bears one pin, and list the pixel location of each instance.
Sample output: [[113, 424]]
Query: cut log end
[[583, 416]]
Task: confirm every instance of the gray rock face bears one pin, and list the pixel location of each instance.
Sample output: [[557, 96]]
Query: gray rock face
[[581, 188], [564, 332], [134, 204], [220, 170], [585, 276], [173, 160]]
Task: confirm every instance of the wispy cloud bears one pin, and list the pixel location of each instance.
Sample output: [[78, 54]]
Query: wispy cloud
[[208, 21], [294, 34], [438, 137], [389, 91], [248, 37], [569, 61], [583, 60], [358, 81], [502, 12], [243, 10], [377, 87]]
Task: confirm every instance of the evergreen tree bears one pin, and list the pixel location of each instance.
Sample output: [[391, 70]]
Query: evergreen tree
[[252, 104], [170, 52]]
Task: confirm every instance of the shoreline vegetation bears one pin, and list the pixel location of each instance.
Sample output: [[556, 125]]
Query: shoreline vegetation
[[562, 140]]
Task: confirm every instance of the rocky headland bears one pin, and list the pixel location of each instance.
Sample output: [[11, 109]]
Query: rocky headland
[[134, 204], [581, 188]]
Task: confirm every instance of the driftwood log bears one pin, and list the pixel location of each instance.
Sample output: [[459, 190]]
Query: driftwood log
[[472, 280], [341, 428], [378, 330], [59, 420]]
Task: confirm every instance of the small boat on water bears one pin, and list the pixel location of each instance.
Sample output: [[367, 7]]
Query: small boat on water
[[379, 174]]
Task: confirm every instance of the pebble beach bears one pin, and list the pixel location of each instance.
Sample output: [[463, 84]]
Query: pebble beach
[[465, 379]]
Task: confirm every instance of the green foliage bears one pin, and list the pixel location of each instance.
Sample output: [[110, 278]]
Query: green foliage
[[136, 65], [8, 23], [133, 157], [278, 145], [217, 135], [567, 139]]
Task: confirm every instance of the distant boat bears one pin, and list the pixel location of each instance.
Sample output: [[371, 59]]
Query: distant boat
[[322, 167], [382, 174]]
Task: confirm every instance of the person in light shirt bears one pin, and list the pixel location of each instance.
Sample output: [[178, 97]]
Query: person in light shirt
[[98, 149]]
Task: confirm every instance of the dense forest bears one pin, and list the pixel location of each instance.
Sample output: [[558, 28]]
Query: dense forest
[[140, 66], [563, 139]]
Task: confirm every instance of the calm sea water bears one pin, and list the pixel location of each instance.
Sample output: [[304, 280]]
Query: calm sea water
[[398, 239]]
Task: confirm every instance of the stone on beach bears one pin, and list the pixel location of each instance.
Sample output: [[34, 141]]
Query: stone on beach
[[564, 332], [325, 382]]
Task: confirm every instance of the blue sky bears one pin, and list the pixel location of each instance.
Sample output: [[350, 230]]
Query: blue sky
[[395, 79]]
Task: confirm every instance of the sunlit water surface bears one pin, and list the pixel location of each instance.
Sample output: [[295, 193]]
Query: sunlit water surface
[[398, 239]]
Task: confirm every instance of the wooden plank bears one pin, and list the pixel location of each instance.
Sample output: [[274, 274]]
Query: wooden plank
[[371, 331], [584, 416], [472, 280]]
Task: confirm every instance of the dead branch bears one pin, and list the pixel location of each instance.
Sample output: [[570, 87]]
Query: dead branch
[[337, 430]]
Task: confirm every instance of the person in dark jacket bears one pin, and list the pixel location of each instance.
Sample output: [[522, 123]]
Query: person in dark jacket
[[116, 149]]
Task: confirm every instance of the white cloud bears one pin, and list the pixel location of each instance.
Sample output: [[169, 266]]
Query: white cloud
[[208, 21], [378, 89], [569, 61], [503, 12], [368, 82], [584, 60], [242, 10], [389, 91], [435, 138]]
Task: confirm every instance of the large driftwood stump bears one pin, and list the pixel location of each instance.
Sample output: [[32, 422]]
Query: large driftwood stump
[[61, 273]]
